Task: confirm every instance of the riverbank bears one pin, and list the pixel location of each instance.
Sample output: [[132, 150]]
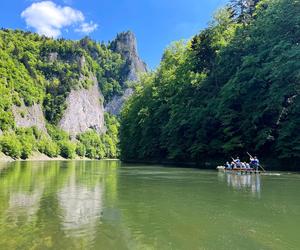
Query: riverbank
[[270, 164], [37, 156]]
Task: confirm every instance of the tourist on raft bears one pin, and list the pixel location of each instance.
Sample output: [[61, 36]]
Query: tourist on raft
[[254, 163], [236, 163], [248, 166], [232, 165], [228, 166]]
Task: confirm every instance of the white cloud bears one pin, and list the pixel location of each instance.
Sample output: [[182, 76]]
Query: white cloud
[[87, 27], [48, 18]]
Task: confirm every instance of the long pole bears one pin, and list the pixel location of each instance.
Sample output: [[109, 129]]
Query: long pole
[[259, 164], [262, 168]]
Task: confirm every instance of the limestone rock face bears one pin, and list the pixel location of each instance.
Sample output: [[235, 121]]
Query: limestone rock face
[[84, 111], [115, 105], [26, 117], [126, 45]]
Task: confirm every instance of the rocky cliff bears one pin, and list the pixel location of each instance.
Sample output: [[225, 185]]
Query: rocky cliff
[[63, 82], [85, 106], [84, 111], [27, 117], [56, 85], [126, 45]]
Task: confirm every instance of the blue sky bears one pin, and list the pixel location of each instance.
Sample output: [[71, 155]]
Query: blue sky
[[156, 23]]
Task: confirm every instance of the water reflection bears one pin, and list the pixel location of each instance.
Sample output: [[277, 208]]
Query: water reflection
[[54, 203], [97, 205], [251, 182], [81, 205], [25, 205], [25, 194]]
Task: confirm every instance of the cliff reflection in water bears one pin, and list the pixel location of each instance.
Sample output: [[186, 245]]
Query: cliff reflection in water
[[81, 202], [250, 182], [59, 203]]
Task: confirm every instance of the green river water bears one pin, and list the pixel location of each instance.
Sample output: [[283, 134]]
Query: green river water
[[108, 205]]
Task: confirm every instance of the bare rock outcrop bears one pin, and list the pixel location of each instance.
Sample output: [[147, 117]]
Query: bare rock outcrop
[[26, 117], [115, 105], [84, 111], [126, 45]]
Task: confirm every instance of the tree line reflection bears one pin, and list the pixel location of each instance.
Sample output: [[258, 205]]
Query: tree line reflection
[[54, 202]]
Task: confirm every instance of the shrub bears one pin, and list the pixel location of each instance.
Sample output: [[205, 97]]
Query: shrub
[[28, 141], [57, 134], [36, 132], [48, 147], [27, 146], [91, 152], [95, 148], [67, 149], [111, 138], [11, 146], [110, 147], [80, 149]]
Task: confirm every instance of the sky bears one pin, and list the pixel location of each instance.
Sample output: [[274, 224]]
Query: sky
[[156, 23]]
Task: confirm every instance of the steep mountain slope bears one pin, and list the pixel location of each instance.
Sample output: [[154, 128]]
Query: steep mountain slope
[[55, 90], [126, 45]]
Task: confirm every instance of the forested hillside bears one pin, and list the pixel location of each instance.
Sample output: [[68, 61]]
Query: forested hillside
[[233, 88], [40, 77]]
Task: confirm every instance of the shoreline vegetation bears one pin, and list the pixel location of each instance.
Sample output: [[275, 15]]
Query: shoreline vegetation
[[232, 88], [207, 165], [32, 143], [211, 164], [37, 156]]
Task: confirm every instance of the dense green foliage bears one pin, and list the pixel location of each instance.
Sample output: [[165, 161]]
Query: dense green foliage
[[108, 67], [11, 145], [36, 69], [22, 142], [234, 87], [93, 145], [48, 147]]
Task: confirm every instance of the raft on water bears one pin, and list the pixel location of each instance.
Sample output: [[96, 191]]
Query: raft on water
[[238, 170]]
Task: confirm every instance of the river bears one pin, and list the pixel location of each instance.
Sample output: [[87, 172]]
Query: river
[[109, 205]]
